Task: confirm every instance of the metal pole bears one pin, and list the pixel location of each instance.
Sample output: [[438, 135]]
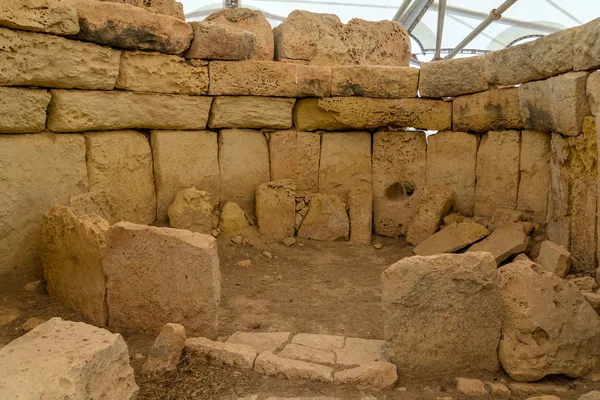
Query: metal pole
[[403, 7], [495, 15], [440, 29]]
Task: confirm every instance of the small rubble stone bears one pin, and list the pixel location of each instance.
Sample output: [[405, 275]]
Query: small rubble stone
[[554, 258], [378, 246], [166, 351], [449, 78], [584, 283], [214, 41], [470, 387], [499, 390], [32, 323], [326, 220], [324, 342], [33, 286], [269, 364], [503, 242], [358, 351], [260, 341], [276, 208], [268, 254], [191, 210], [244, 263], [374, 81], [375, 375], [534, 179], [99, 202], [231, 354], [435, 202], [452, 238], [58, 17], [237, 239], [288, 241], [233, 219], [594, 300], [503, 216], [308, 354]]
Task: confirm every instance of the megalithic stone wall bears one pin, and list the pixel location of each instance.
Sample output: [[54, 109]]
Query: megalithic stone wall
[[130, 115]]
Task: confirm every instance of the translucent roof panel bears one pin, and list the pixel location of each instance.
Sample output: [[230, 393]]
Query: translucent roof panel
[[524, 20]]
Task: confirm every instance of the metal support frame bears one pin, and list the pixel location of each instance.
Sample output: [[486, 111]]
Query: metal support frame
[[414, 14], [401, 10], [440, 29]]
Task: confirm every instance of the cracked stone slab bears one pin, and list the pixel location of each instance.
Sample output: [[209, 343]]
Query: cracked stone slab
[[324, 342], [361, 351], [260, 341]]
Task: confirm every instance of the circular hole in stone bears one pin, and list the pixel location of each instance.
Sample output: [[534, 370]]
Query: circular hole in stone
[[399, 190]]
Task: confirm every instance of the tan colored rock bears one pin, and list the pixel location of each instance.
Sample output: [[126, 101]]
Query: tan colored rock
[[451, 299], [558, 196], [497, 172], [547, 325], [324, 342], [250, 20], [503, 216], [449, 78], [32, 323], [435, 202], [268, 364], [233, 219], [184, 159], [454, 237], [33, 365], [503, 242], [260, 341], [534, 178], [374, 375], [593, 395], [594, 300], [251, 112], [326, 220], [8, 316], [537, 388], [499, 390], [358, 351], [593, 92], [374, 81], [585, 52], [167, 7], [308, 116], [71, 249], [360, 212], [192, 210], [159, 73], [120, 163], [36, 172], [554, 258], [180, 284], [166, 350], [308, 354], [128, 27], [214, 41], [295, 155], [32, 286], [399, 159], [36, 59], [23, 110], [244, 164], [231, 354], [583, 283], [492, 110], [58, 17], [276, 209], [470, 387], [100, 203], [80, 111]]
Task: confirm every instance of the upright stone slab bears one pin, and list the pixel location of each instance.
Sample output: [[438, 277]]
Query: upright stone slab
[[220, 42], [451, 161], [120, 164], [244, 164], [71, 250], [295, 155], [36, 172], [184, 159], [586, 55], [276, 209], [166, 350], [374, 81], [399, 159], [497, 172], [43, 364], [360, 211], [159, 275], [453, 300], [593, 92], [449, 78], [434, 204], [58, 17], [492, 110], [558, 196], [23, 110], [251, 112], [534, 174]]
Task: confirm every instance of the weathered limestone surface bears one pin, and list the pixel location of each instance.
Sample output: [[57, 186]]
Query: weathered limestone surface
[[308, 116], [269, 364], [160, 275], [503, 242], [583, 283], [593, 92], [471, 387], [214, 41], [129, 27], [326, 220], [451, 161], [585, 50], [399, 159], [260, 341], [324, 342], [492, 110], [58, 17], [295, 155], [36, 172], [276, 208], [171, 8], [231, 354], [79, 111], [503, 216], [192, 210], [554, 258], [99, 202], [374, 81], [454, 237], [250, 20], [23, 110], [497, 172], [42, 364], [167, 348], [360, 211], [374, 375], [233, 218], [547, 325], [357, 351], [434, 204], [244, 164], [449, 78], [159, 73], [321, 39], [558, 197], [71, 250], [251, 112], [451, 299], [308, 354], [534, 174], [184, 159], [35, 59], [120, 163]]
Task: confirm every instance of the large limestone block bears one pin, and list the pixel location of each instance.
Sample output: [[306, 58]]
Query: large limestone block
[[454, 237], [244, 164], [251, 112], [504, 242], [548, 56], [159, 275], [492, 110], [321, 39], [213, 41], [58, 17], [434, 204], [558, 196], [557, 104], [295, 155], [534, 174], [128, 27], [585, 46], [35, 59], [276, 209], [449, 78], [308, 116], [326, 220], [166, 7], [159, 73], [360, 212], [23, 110], [453, 300], [269, 78], [451, 161], [184, 159], [120, 164], [79, 111], [191, 210], [67, 360], [100, 203], [250, 20], [71, 250], [497, 172], [547, 325], [399, 159], [36, 172], [374, 81]]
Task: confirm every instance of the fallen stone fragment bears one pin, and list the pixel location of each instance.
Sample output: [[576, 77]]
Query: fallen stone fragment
[[213, 41], [260, 341], [33, 286], [23, 110], [276, 209], [231, 354], [272, 365], [308, 354], [191, 210], [244, 263], [358, 351], [288, 241], [378, 246], [435, 202], [584, 283], [499, 390], [374, 375], [233, 219], [503, 242], [503, 216], [167, 348], [470, 387], [326, 220], [454, 237], [594, 300], [8, 316], [449, 78], [58, 17], [324, 342], [554, 258]]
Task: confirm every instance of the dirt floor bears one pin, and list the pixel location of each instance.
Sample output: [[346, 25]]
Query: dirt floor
[[311, 287]]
